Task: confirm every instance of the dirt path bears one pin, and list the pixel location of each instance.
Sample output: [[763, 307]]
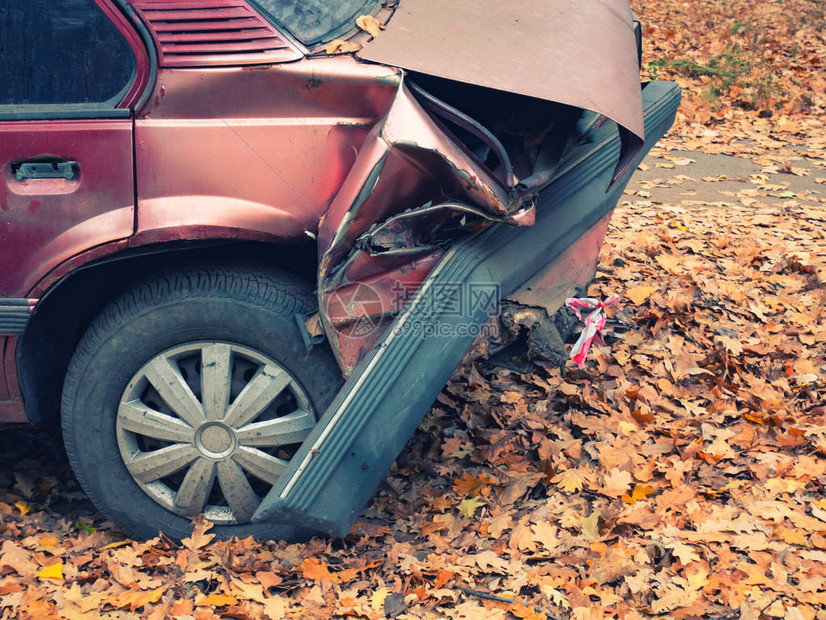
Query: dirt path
[[692, 179]]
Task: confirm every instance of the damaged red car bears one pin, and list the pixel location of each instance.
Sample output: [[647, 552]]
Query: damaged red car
[[239, 267]]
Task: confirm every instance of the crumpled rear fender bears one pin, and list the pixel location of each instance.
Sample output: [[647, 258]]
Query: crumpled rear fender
[[412, 178], [332, 475], [407, 165]]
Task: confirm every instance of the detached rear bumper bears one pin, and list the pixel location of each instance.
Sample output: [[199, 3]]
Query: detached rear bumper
[[338, 467]]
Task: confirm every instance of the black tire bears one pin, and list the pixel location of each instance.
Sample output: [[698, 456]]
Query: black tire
[[251, 306]]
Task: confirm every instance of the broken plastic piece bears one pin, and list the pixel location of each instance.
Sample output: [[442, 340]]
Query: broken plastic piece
[[312, 333], [594, 324]]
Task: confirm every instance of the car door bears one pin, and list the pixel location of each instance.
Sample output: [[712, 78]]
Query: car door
[[69, 70]]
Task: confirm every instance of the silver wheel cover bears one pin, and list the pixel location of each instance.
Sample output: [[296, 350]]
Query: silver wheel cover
[[208, 427]]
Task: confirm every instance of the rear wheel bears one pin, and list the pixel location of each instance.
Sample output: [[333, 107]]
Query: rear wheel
[[189, 394]]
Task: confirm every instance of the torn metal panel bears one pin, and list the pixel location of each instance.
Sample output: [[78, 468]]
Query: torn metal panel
[[407, 165], [582, 54], [512, 95], [417, 230], [405, 149]]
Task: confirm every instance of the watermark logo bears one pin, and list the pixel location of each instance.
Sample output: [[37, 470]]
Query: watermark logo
[[362, 303], [444, 309]]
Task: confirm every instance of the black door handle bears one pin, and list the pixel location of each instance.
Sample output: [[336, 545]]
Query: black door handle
[[66, 169]]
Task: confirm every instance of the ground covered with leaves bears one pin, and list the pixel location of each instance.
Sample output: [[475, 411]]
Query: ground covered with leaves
[[679, 474], [751, 66]]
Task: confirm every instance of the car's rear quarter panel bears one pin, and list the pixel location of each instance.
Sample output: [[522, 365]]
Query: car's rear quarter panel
[[260, 151]]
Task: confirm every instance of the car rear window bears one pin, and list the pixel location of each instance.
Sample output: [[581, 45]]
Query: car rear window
[[317, 21], [61, 52]]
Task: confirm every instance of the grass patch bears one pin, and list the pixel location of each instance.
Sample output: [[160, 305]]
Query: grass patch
[[734, 73]]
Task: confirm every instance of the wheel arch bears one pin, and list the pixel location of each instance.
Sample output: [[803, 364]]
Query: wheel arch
[[66, 309]]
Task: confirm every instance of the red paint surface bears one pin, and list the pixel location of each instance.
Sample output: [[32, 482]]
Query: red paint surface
[[11, 410], [47, 221], [360, 313], [253, 152], [418, 164]]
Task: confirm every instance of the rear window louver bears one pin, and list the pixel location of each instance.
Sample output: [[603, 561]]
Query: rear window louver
[[190, 33]]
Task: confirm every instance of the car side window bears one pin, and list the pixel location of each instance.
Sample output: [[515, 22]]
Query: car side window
[[55, 52]]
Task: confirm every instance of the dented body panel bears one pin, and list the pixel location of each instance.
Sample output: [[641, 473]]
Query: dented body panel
[[407, 164], [582, 54], [276, 146], [261, 149], [413, 178]]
